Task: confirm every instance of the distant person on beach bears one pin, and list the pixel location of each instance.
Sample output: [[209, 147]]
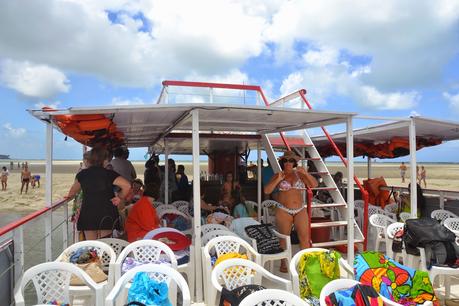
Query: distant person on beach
[[11, 165], [19, 165], [36, 179], [122, 165], [25, 178], [4, 178], [418, 175], [403, 171], [99, 209], [423, 176]]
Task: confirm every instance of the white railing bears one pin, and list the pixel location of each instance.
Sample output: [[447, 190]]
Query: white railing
[[35, 238]]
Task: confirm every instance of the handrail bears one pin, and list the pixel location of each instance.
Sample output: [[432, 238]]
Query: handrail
[[212, 85], [309, 209], [338, 152], [15, 224]]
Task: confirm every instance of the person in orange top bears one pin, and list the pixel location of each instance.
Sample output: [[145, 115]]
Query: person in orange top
[[142, 217]]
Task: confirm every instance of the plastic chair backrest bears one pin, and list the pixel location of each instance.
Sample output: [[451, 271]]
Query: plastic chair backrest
[[453, 225], [238, 272], [52, 281], [173, 211], [404, 216], [391, 208], [181, 203], [238, 226], [116, 244], [212, 227], [335, 285], [157, 203], [442, 215], [158, 230], [229, 244], [380, 222], [145, 251], [159, 273], [217, 233], [273, 297], [393, 228]]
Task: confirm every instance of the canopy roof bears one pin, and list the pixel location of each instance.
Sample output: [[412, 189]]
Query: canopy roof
[[145, 126], [391, 140]]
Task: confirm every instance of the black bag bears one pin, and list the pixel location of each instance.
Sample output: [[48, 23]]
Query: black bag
[[436, 239], [267, 242], [234, 297], [397, 242]]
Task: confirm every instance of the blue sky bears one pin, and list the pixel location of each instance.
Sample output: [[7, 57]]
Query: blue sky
[[391, 58]]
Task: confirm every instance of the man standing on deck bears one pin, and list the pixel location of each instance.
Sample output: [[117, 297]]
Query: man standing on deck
[[403, 171], [122, 165]]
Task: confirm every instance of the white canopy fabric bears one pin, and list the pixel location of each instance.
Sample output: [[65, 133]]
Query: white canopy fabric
[[144, 126]]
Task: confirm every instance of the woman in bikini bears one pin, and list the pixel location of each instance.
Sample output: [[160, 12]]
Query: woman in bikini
[[291, 181], [230, 186], [25, 178]]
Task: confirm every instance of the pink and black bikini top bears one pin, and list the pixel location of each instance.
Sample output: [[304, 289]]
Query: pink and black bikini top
[[285, 185]]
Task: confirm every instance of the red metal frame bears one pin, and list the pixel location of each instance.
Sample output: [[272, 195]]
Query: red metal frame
[[364, 193], [15, 224]]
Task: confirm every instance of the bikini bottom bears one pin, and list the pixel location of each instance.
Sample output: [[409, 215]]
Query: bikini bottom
[[291, 211]]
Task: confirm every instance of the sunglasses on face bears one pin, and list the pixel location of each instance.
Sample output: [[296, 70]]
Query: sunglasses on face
[[291, 160]]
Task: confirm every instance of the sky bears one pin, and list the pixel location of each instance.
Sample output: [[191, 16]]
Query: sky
[[376, 58]]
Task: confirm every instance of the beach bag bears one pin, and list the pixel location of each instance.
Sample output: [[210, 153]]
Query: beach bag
[[267, 242], [234, 297], [148, 291], [86, 259]]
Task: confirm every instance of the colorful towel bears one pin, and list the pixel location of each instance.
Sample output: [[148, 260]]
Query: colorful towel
[[315, 270], [394, 281]]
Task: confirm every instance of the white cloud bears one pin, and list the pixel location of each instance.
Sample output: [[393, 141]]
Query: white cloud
[[54, 105], [35, 81], [324, 75], [14, 132], [407, 42], [453, 100], [207, 38], [414, 113], [134, 101]]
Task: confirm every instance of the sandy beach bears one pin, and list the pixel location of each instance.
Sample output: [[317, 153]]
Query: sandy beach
[[439, 176]]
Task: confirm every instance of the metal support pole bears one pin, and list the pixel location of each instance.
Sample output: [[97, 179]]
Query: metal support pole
[[48, 191], [197, 206], [350, 190], [442, 200], [18, 245], [259, 178], [369, 169], [166, 173], [413, 176], [211, 95]]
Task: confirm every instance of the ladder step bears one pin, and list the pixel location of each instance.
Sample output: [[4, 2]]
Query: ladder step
[[328, 224], [318, 173], [311, 158], [324, 188], [328, 205], [334, 243]]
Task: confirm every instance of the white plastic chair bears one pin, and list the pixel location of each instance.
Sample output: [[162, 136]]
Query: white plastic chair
[[107, 257], [265, 208], [253, 205], [146, 251], [223, 245], [52, 282], [294, 263], [442, 214], [335, 285], [238, 272], [238, 226], [186, 268], [438, 271], [217, 233], [116, 244], [163, 207], [184, 209], [212, 227], [404, 216], [372, 209], [453, 225], [273, 297], [380, 222], [391, 230], [159, 273]]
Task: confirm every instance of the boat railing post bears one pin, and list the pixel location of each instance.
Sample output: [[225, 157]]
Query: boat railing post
[[350, 190], [166, 173], [442, 200], [259, 182], [65, 226], [413, 177], [49, 190], [18, 245], [211, 95]]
